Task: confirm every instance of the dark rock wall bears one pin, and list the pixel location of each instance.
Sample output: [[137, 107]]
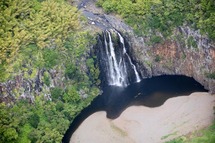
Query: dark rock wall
[[177, 56]]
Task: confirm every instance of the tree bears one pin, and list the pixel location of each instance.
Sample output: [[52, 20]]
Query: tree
[[8, 132]]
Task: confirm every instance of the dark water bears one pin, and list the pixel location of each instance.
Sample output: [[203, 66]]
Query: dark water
[[150, 92]]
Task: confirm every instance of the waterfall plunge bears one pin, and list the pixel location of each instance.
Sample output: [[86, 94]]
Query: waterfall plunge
[[125, 52], [115, 62]]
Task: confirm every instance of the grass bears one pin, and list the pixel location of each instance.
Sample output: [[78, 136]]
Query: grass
[[117, 129], [202, 136], [166, 136]]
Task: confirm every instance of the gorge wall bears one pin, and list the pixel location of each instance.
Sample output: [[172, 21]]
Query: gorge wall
[[178, 56], [185, 52]]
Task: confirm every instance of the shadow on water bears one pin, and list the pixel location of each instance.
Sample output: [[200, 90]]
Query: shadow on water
[[152, 92]]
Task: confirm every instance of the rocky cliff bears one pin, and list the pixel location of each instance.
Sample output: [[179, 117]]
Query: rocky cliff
[[186, 52]]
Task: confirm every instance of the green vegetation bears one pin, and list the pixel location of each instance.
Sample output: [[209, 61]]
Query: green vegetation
[[119, 130], [44, 23], [202, 136], [210, 75], [41, 121], [157, 58], [167, 136], [155, 39], [191, 42], [44, 39], [163, 16]]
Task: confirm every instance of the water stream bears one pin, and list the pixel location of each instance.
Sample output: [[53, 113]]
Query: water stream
[[115, 63]]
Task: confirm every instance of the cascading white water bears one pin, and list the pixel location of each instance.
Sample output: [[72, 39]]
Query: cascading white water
[[117, 61], [116, 75], [124, 52]]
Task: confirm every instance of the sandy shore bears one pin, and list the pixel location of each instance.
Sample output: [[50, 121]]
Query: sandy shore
[[138, 124]]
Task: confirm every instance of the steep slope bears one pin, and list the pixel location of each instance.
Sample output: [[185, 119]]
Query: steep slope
[[178, 56], [182, 50]]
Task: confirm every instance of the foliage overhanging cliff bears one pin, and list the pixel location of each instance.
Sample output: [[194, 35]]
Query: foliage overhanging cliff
[[148, 17]]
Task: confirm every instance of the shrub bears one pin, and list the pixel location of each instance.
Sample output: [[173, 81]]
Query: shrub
[[155, 39], [34, 120], [191, 42], [157, 58], [56, 93], [47, 79], [210, 75], [50, 58]]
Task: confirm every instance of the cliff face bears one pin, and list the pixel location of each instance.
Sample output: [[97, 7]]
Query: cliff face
[[186, 53], [37, 83]]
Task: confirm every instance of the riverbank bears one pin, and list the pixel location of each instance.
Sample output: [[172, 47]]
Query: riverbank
[[177, 116]]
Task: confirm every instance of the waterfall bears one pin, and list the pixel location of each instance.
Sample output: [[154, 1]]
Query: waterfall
[[115, 62], [116, 77], [129, 59]]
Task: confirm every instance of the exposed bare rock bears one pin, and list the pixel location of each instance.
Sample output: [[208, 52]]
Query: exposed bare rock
[[177, 56], [98, 20], [27, 85]]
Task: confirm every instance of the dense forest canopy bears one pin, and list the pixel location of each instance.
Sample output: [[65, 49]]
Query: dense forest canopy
[[25, 22], [150, 16], [41, 40]]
